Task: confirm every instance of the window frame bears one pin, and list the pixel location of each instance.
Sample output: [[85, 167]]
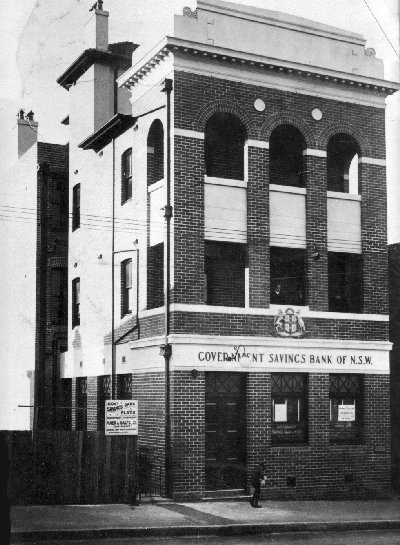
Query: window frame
[[126, 176], [297, 283], [76, 302], [76, 207], [126, 287], [349, 432], [348, 286], [291, 387]]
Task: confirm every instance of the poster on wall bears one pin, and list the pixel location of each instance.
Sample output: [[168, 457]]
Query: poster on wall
[[121, 417], [346, 413]]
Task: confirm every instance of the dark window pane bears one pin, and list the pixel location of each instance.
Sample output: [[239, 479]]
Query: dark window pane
[[225, 136], [224, 268], [286, 156], [126, 176], [287, 276], [344, 282], [76, 206]]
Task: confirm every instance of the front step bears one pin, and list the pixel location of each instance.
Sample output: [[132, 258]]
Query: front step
[[231, 495]]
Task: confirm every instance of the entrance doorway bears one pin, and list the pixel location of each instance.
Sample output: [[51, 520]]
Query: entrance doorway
[[225, 431]]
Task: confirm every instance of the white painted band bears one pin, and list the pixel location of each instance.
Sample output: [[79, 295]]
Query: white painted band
[[271, 311], [225, 181], [372, 161], [189, 134], [315, 152], [257, 144]]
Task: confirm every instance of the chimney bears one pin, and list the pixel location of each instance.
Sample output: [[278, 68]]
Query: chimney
[[27, 132], [96, 29]]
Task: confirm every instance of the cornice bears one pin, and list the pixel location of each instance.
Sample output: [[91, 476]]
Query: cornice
[[86, 60], [242, 59]]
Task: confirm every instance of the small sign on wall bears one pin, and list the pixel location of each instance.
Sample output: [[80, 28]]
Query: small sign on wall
[[346, 413], [121, 417]]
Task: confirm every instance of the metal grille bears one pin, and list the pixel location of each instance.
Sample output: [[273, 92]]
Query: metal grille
[[288, 383], [82, 385], [224, 383], [345, 385], [126, 385], [106, 385]]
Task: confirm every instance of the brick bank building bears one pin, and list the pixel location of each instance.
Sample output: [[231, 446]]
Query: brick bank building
[[227, 250]]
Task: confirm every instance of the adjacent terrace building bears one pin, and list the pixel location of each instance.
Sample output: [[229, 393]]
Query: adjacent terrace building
[[227, 250], [34, 246]]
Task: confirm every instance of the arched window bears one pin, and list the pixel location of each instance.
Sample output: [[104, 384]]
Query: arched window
[[155, 153], [286, 147], [225, 136], [126, 175], [342, 163]]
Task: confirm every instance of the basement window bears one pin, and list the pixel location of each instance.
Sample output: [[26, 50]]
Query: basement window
[[224, 271], [344, 282], [286, 147], [287, 276]]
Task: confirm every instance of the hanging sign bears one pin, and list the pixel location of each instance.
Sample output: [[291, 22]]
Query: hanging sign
[[121, 417]]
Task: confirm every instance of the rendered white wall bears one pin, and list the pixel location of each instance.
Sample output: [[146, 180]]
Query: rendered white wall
[[18, 197]]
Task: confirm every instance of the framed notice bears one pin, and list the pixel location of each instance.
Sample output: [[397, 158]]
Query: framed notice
[[121, 417], [346, 413]]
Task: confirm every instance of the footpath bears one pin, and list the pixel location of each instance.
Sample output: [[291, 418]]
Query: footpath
[[199, 519]]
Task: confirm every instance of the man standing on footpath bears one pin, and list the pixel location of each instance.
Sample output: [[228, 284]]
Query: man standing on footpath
[[256, 477]]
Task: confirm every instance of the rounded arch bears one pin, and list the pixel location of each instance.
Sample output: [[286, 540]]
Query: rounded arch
[[345, 128], [224, 140], [343, 152], [286, 146], [222, 106], [155, 152], [273, 121]]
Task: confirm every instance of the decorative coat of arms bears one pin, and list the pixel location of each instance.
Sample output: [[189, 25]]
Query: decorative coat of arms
[[289, 324]]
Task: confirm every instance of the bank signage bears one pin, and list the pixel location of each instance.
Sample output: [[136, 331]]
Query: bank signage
[[292, 359], [121, 417], [260, 354]]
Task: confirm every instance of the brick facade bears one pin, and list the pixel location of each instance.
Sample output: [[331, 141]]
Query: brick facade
[[316, 468]]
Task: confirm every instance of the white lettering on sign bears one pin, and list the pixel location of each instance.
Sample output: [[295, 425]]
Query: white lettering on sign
[[121, 417]]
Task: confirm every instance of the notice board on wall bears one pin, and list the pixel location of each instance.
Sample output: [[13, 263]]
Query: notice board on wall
[[121, 417]]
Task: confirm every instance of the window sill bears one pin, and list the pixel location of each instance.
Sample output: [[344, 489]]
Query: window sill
[[125, 201], [291, 445], [288, 189], [343, 196]]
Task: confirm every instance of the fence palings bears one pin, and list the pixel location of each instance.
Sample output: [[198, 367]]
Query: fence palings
[[61, 467]]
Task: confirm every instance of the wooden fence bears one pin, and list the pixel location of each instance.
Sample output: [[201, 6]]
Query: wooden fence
[[70, 467]]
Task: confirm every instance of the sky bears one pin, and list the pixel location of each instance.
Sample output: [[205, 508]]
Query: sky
[[40, 38]]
